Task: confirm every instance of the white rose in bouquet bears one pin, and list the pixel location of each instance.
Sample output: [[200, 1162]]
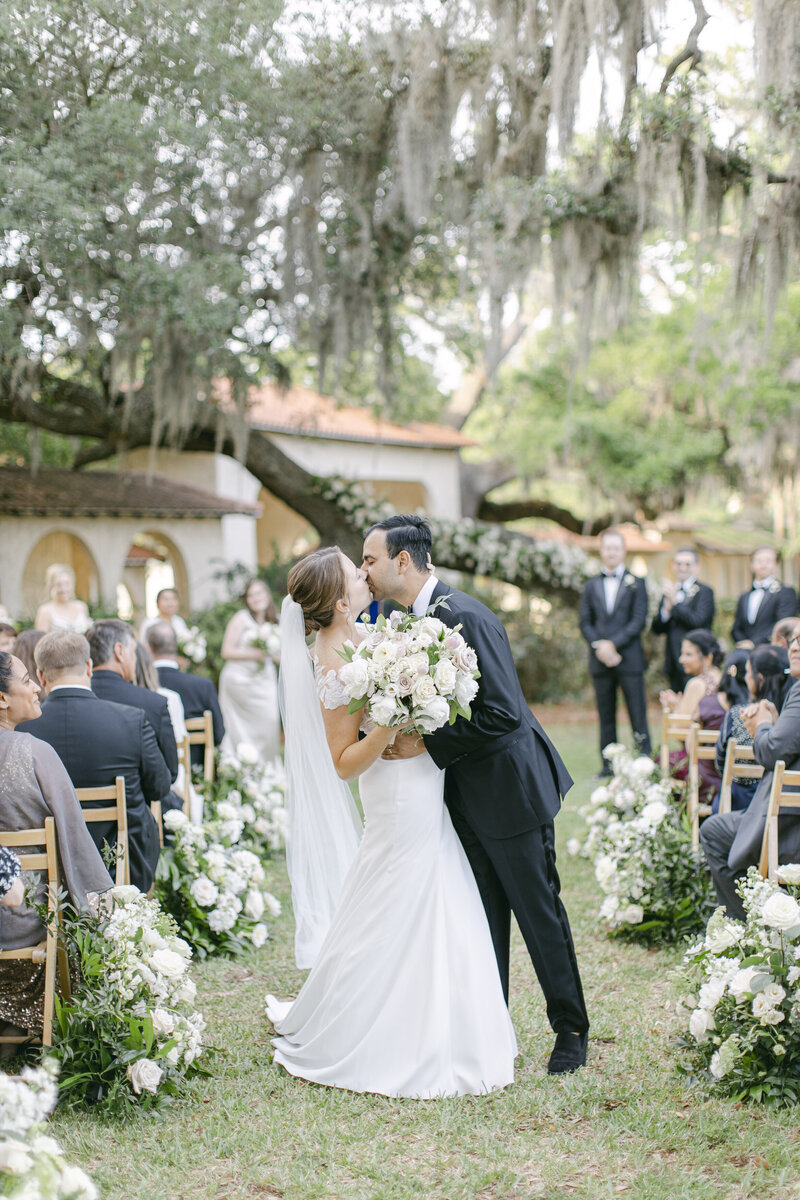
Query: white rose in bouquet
[[405, 681], [781, 911], [203, 891], [445, 676], [433, 714], [789, 873], [418, 664], [383, 654], [145, 1075], [424, 689], [711, 993], [466, 659], [384, 709], [163, 1021], [354, 677]]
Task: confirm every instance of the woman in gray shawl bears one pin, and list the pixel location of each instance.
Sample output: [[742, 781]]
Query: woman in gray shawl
[[34, 784]]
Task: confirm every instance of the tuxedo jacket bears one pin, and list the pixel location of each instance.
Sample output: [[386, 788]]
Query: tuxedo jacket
[[97, 740], [696, 611], [108, 685], [622, 626], [778, 602], [502, 770], [197, 694], [771, 743]]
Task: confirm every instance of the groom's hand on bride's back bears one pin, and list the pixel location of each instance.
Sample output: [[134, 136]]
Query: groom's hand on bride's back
[[405, 745]]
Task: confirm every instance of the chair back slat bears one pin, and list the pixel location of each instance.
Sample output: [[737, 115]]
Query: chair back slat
[[674, 726], [739, 764], [701, 746], [784, 794], [200, 732], [118, 814]]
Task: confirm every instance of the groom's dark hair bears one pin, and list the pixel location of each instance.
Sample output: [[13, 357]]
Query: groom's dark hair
[[407, 532]]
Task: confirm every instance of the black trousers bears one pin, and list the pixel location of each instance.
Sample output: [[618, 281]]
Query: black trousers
[[519, 874], [605, 690]]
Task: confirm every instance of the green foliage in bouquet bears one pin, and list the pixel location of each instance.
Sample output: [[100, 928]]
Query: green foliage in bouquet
[[130, 1033], [742, 1010], [657, 888], [214, 887]]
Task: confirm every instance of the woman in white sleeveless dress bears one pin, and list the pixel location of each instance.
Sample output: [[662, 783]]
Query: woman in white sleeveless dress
[[404, 997], [248, 683]]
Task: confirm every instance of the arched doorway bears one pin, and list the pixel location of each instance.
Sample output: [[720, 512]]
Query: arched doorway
[[154, 562], [59, 546]]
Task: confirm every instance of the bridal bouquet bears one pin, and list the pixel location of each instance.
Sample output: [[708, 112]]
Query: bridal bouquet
[[214, 887], [32, 1164], [657, 889], [267, 638], [410, 670], [193, 645], [743, 1010], [130, 1033]]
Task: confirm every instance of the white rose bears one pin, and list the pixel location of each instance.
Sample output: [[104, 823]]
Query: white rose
[[609, 907], [774, 994], [231, 831], [793, 976], [711, 993], [203, 891], [766, 1012], [445, 676], [15, 1157], [383, 655], [153, 939], [654, 812], [254, 905], [187, 993], [273, 904], [247, 754], [466, 659], [384, 709], [174, 818], [417, 664], [466, 690], [144, 1074], [722, 933], [789, 873], [433, 714], [405, 682], [354, 678], [632, 915], [220, 920], [163, 1020], [259, 935], [168, 963], [424, 689], [747, 982], [781, 912], [604, 870], [700, 1022], [125, 893], [227, 811]]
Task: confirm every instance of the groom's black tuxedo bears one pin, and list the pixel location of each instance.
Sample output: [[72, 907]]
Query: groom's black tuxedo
[[503, 785]]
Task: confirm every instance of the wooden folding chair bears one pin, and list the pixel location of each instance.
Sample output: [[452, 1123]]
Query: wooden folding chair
[[200, 732], [780, 799], [674, 726], [38, 851], [117, 812], [701, 745], [740, 763]]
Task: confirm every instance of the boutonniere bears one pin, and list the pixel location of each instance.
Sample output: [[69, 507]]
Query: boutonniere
[[629, 580], [775, 586], [693, 590]]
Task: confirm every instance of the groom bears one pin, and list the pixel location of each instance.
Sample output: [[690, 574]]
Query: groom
[[503, 784]]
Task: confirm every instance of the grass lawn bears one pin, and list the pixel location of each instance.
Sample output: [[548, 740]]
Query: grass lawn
[[626, 1125]]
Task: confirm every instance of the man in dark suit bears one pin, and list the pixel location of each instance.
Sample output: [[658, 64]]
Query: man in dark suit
[[767, 602], [112, 644], [97, 740], [685, 604], [612, 615], [732, 841], [503, 784], [196, 692]]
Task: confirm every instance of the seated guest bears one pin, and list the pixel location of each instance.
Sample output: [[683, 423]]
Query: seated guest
[[685, 605], [767, 602], [732, 841], [34, 785], [167, 602], [8, 636], [764, 671], [196, 692], [783, 631], [97, 740], [24, 645], [700, 658], [112, 644]]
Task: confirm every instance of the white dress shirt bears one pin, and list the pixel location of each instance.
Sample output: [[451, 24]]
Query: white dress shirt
[[611, 587], [420, 605], [756, 596]]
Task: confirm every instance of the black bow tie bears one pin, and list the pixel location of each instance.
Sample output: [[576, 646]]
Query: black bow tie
[[610, 575]]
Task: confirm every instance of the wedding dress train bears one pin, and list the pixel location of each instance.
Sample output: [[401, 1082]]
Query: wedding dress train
[[404, 998]]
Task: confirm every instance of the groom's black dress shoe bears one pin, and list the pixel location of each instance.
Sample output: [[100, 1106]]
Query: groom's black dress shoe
[[569, 1053]]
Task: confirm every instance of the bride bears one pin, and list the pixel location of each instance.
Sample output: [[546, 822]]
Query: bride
[[404, 996]]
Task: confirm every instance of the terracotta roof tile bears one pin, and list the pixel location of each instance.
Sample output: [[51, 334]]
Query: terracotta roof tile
[[108, 494]]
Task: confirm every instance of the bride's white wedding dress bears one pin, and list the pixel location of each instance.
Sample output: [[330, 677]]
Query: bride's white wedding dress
[[404, 998]]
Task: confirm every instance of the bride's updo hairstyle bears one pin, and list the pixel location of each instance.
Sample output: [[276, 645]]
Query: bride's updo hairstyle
[[316, 582]]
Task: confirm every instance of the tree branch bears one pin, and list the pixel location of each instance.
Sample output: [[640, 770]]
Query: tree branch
[[517, 510], [691, 50]]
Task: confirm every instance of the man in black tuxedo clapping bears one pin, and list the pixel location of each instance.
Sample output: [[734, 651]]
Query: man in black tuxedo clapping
[[685, 604], [196, 692], [612, 615], [767, 602]]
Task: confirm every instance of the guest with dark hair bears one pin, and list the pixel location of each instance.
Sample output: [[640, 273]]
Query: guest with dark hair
[[701, 655], [8, 635], [196, 692], [168, 603], [34, 784], [24, 646], [97, 740], [784, 631], [765, 673]]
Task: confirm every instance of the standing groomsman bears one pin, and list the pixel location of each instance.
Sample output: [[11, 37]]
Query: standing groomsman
[[612, 615], [766, 603], [686, 604]]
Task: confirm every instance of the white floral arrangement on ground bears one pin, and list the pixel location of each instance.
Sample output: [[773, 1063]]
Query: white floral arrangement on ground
[[743, 1011], [193, 645], [410, 669], [130, 1033], [657, 889], [266, 637], [213, 886], [478, 547], [32, 1165], [253, 792]]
